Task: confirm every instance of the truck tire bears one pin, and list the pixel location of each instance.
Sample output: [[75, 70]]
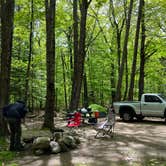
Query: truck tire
[[165, 115], [127, 116], [140, 118]]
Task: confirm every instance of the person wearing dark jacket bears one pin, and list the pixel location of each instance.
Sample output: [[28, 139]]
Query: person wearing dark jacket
[[14, 113]]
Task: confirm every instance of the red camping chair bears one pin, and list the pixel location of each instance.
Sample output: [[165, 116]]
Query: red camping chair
[[75, 121]]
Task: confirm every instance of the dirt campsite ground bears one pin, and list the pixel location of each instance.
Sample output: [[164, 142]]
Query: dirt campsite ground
[[137, 144]]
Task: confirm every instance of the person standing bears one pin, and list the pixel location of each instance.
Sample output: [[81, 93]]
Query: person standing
[[14, 113]]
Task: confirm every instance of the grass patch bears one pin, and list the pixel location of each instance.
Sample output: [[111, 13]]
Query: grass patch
[[5, 155], [146, 162], [3, 144], [155, 162]]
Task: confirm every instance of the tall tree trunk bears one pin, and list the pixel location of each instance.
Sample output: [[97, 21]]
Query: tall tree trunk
[[112, 80], [64, 80], [30, 54], [124, 53], [7, 17], [50, 64], [126, 80], [101, 96], [86, 99], [142, 53], [79, 54], [0, 20], [72, 104], [69, 36], [134, 63], [118, 31]]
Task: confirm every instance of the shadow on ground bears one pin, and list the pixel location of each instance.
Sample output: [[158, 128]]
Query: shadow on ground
[[137, 143]]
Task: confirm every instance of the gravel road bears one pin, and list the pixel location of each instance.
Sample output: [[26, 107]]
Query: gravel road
[[136, 143]]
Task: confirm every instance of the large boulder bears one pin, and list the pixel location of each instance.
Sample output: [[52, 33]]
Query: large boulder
[[64, 147], [70, 141], [55, 147], [57, 133], [77, 140], [41, 143], [57, 136]]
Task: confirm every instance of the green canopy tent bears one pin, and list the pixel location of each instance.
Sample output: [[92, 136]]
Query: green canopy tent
[[98, 108]]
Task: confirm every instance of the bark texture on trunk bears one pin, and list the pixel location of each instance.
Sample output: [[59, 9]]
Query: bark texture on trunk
[[142, 54], [7, 17], [124, 53], [134, 63], [79, 52], [50, 63]]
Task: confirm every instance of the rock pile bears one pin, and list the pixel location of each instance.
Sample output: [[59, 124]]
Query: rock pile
[[57, 143]]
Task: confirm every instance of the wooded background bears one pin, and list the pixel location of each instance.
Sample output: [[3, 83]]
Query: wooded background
[[64, 54]]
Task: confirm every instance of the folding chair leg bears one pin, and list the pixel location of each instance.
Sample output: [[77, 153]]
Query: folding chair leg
[[97, 134]]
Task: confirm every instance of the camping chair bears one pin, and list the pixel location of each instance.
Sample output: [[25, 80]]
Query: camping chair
[[74, 121], [107, 127]]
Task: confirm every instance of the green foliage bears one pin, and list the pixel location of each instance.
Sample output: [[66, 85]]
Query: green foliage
[[5, 156], [101, 50], [100, 3], [154, 162], [3, 144]]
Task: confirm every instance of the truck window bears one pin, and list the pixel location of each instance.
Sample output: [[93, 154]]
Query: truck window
[[152, 99], [163, 96]]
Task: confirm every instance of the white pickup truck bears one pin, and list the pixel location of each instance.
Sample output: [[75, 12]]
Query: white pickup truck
[[151, 105]]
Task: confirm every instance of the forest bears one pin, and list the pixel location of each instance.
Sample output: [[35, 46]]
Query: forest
[[64, 54]]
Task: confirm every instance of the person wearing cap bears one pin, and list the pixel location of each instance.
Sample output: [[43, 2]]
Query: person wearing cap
[[14, 113]]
